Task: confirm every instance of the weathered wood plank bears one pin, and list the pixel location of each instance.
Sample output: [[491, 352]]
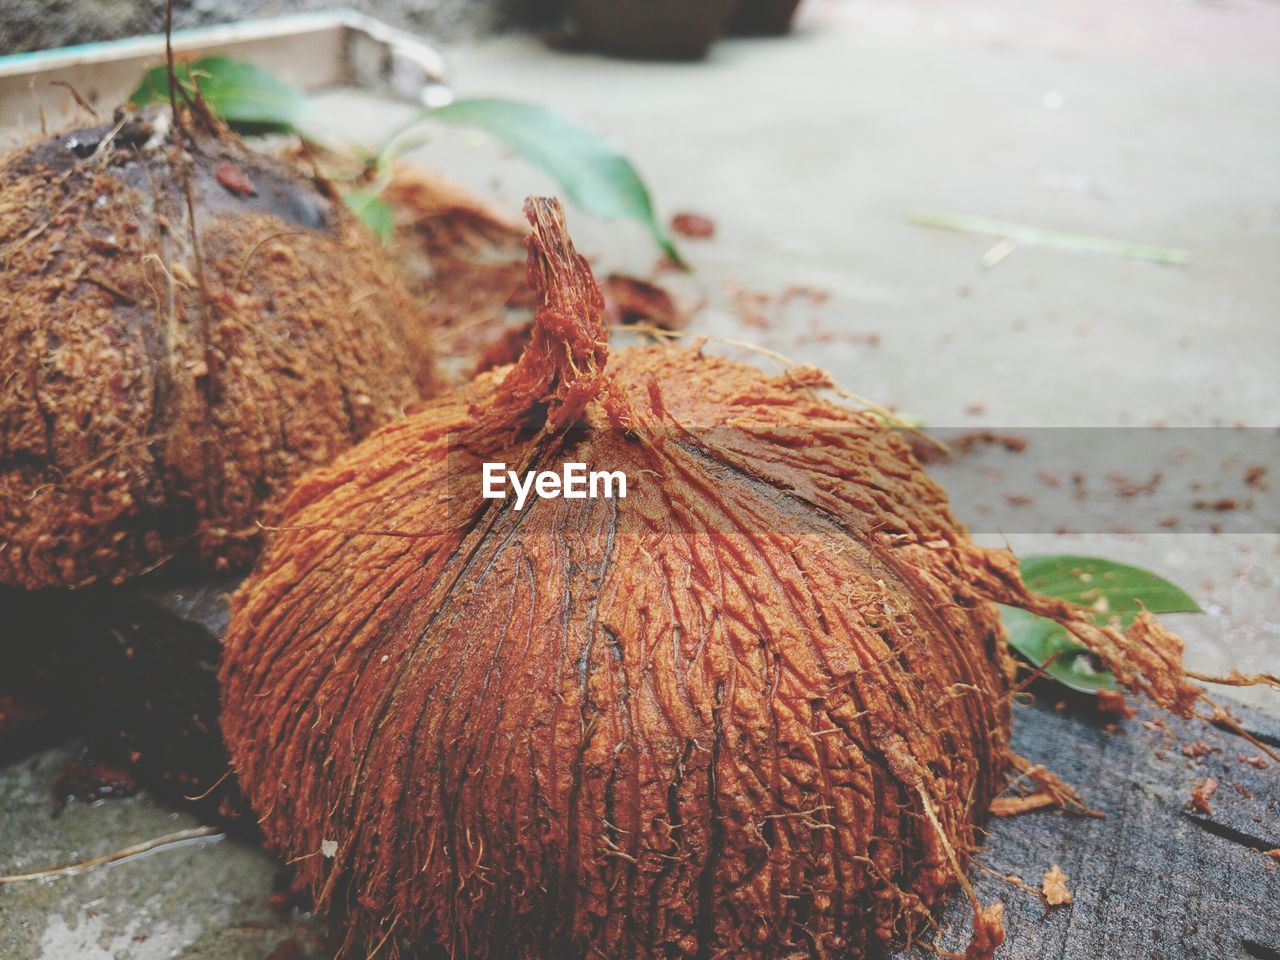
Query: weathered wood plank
[[1151, 880]]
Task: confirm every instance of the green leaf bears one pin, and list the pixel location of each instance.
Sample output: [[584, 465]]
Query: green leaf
[[248, 98], [1039, 639], [590, 170], [373, 210], [1114, 593], [1032, 236], [1109, 589]]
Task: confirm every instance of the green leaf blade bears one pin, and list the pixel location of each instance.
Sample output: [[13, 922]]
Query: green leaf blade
[[1032, 236], [1114, 592], [374, 211], [1044, 642], [245, 96], [1107, 587], [593, 173]]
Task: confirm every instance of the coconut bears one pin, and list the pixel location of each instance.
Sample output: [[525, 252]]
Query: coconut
[[162, 385], [756, 708]]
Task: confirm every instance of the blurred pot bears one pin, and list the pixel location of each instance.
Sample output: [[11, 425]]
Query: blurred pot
[[663, 29], [763, 17]]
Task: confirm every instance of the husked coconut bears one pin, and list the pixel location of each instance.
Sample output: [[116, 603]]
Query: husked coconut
[[757, 708], [162, 384]]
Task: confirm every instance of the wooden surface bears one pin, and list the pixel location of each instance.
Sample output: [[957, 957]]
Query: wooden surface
[[1152, 879]]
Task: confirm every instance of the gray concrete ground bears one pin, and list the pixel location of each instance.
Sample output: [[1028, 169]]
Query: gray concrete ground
[[206, 899], [1153, 121]]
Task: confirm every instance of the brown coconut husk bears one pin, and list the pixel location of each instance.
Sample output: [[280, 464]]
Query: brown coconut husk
[[162, 385], [463, 259], [759, 708]]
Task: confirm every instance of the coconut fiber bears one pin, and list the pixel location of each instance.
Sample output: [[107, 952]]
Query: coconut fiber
[[756, 709], [161, 385]]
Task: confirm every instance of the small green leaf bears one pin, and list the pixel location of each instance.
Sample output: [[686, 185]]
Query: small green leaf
[[1039, 640], [1114, 592], [373, 210], [1032, 236], [248, 98], [1109, 589], [590, 170]]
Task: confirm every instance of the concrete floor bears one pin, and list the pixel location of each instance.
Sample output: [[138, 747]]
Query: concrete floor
[[207, 899], [1147, 120]]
